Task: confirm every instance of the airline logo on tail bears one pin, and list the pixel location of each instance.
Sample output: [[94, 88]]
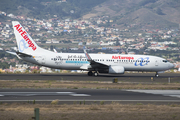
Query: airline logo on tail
[[26, 38]]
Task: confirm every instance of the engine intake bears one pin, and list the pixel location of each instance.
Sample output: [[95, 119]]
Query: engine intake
[[116, 69]]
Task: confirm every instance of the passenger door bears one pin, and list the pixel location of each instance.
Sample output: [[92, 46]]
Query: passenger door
[[156, 62]]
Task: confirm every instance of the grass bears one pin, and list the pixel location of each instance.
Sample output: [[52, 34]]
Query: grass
[[25, 111], [85, 84], [55, 102], [101, 102]]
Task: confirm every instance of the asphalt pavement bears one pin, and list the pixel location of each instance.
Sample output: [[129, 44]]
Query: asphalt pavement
[[90, 95], [127, 77]]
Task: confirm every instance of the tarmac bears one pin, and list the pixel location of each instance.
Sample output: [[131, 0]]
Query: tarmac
[[70, 96], [127, 77], [90, 95]]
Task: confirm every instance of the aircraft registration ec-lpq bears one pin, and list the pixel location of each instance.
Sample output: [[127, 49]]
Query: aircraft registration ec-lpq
[[29, 51]]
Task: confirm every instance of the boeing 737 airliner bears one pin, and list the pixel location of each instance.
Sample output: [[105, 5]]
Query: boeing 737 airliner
[[29, 51]]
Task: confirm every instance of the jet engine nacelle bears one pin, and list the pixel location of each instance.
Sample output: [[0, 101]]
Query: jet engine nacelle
[[116, 69]]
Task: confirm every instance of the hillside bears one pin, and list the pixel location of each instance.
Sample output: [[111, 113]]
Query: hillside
[[124, 13], [49, 8], [151, 13]]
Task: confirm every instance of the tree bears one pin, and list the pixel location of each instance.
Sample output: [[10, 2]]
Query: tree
[[159, 12]]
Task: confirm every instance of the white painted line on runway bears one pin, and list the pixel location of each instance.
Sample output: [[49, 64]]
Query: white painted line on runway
[[80, 95], [42, 93], [178, 96], [64, 92], [171, 93]]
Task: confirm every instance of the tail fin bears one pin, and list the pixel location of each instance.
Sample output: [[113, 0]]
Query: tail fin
[[24, 42]]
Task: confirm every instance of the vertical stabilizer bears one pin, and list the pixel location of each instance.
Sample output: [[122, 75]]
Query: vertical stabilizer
[[24, 41]]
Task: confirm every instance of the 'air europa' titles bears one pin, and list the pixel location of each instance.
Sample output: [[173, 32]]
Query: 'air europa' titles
[[123, 58], [25, 36]]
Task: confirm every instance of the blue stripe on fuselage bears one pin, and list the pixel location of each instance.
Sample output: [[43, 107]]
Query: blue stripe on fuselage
[[79, 62]]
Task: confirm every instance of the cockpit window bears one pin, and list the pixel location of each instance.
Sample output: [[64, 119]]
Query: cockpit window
[[165, 61]]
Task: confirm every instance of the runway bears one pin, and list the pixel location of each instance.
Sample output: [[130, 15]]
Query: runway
[[127, 77], [90, 95]]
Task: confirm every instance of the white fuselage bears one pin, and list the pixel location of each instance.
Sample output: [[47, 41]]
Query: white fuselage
[[29, 51], [75, 61]]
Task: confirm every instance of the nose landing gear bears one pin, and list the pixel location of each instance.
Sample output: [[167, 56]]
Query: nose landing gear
[[156, 75]]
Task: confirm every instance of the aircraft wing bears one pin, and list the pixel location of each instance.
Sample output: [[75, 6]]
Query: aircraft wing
[[93, 63]]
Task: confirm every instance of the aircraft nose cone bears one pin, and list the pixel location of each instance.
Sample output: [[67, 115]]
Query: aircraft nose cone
[[171, 65]]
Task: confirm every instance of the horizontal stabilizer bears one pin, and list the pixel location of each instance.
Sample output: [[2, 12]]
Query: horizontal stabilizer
[[23, 54], [13, 53]]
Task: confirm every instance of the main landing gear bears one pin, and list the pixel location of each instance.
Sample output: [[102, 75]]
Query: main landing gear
[[90, 73], [95, 74], [156, 75]]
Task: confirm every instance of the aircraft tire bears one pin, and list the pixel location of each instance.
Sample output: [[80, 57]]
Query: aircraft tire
[[95, 74], [156, 75], [90, 73]]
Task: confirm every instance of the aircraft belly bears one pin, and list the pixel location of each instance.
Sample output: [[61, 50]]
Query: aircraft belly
[[69, 67], [31, 60], [138, 68]]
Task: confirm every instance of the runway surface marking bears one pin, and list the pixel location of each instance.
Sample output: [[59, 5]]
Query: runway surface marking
[[42, 94], [171, 93], [90, 95]]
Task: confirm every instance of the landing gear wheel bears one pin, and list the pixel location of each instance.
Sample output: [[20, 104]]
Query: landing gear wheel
[[156, 75], [95, 74], [90, 73]]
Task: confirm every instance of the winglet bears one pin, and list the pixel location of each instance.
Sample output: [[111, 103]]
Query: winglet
[[86, 54], [55, 50]]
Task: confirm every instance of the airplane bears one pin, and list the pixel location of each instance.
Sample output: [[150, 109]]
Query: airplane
[[29, 51]]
